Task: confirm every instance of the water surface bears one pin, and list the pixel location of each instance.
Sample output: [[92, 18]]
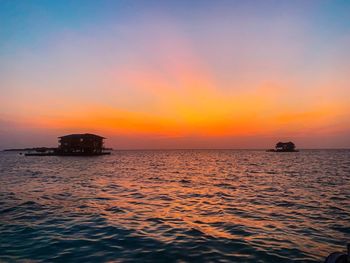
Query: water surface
[[174, 206]]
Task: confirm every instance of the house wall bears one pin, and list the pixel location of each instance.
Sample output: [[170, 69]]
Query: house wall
[[81, 144]]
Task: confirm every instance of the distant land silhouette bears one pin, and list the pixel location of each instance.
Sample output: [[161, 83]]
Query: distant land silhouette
[[284, 147]]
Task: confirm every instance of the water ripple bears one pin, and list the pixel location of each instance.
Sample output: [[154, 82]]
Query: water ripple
[[156, 206]]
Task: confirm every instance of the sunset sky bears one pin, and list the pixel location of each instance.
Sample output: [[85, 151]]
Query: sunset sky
[[176, 74]]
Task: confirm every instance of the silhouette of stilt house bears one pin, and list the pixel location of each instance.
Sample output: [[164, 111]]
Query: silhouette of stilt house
[[81, 143], [85, 144]]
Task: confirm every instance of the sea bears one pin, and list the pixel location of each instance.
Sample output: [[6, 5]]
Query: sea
[[175, 206]]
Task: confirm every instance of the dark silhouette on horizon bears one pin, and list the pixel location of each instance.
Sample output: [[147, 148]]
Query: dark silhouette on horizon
[[284, 147], [86, 144], [81, 143]]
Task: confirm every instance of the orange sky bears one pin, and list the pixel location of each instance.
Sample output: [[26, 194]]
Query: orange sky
[[166, 79]]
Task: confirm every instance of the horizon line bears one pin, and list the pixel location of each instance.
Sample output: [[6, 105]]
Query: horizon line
[[184, 149]]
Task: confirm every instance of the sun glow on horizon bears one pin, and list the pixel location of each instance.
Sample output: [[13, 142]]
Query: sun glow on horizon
[[169, 74]]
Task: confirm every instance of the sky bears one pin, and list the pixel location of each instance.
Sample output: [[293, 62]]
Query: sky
[[176, 74]]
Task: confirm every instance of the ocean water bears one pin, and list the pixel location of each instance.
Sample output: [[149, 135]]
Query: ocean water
[[175, 206]]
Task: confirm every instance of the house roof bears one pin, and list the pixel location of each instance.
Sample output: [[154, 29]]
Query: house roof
[[285, 143], [81, 135]]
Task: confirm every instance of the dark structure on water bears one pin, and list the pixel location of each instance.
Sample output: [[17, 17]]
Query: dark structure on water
[[284, 147], [81, 143], [86, 144], [339, 257]]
